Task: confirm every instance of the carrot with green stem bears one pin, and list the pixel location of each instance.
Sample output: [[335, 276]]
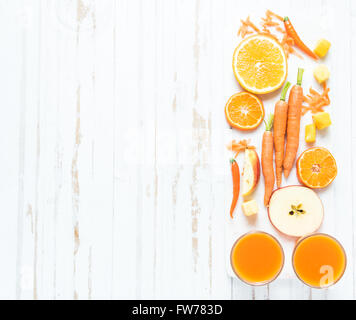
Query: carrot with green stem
[[267, 160], [293, 123], [236, 185], [297, 41], [279, 132]]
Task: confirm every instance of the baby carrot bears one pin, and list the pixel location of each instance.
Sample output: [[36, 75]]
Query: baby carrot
[[298, 42], [293, 123], [267, 160], [279, 131], [236, 185]]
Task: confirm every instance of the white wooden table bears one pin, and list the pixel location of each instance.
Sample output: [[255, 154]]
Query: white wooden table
[[114, 172]]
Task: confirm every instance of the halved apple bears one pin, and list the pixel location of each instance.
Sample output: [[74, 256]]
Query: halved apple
[[295, 211], [251, 172]]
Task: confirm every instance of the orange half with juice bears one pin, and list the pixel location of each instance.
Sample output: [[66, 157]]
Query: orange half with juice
[[257, 258], [319, 260]]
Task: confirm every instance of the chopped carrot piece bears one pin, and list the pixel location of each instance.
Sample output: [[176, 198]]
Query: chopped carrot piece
[[316, 101], [245, 28], [280, 29], [252, 25], [272, 14], [269, 23], [237, 147]]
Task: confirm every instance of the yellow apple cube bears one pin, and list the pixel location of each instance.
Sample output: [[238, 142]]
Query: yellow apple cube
[[321, 73], [322, 48], [310, 133], [322, 120], [250, 208]]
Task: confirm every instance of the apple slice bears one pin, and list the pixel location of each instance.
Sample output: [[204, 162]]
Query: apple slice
[[295, 211], [251, 172]]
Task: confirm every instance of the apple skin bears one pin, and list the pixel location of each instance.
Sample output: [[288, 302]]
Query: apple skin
[[269, 218], [256, 167], [255, 161]]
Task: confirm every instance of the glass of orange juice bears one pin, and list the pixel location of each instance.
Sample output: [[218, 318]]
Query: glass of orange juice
[[257, 258], [319, 260]]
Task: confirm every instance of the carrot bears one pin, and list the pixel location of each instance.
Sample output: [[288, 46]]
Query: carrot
[[279, 131], [293, 123], [267, 160], [236, 185], [236, 147], [298, 42]]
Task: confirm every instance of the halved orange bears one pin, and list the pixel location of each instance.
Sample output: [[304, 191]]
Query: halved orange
[[316, 168], [260, 64], [244, 111]]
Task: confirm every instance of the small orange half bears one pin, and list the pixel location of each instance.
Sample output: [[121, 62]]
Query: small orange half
[[316, 168], [244, 111]]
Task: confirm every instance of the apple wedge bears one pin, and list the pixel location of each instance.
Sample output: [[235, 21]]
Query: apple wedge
[[295, 211], [251, 172]]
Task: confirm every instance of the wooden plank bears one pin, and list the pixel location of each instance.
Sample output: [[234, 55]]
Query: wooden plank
[[353, 146], [12, 141]]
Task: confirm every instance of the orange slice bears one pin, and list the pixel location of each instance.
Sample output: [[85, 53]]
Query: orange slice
[[316, 168], [260, 64], [244, 111]]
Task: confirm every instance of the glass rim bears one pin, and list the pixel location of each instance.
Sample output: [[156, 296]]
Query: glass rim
[[256, 284], [300, 240]]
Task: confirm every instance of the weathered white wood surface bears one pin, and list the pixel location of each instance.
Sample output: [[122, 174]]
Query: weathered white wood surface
[[114, 173]]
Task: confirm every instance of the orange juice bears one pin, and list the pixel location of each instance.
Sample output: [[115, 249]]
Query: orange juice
[[319, 260], [257, 258]]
